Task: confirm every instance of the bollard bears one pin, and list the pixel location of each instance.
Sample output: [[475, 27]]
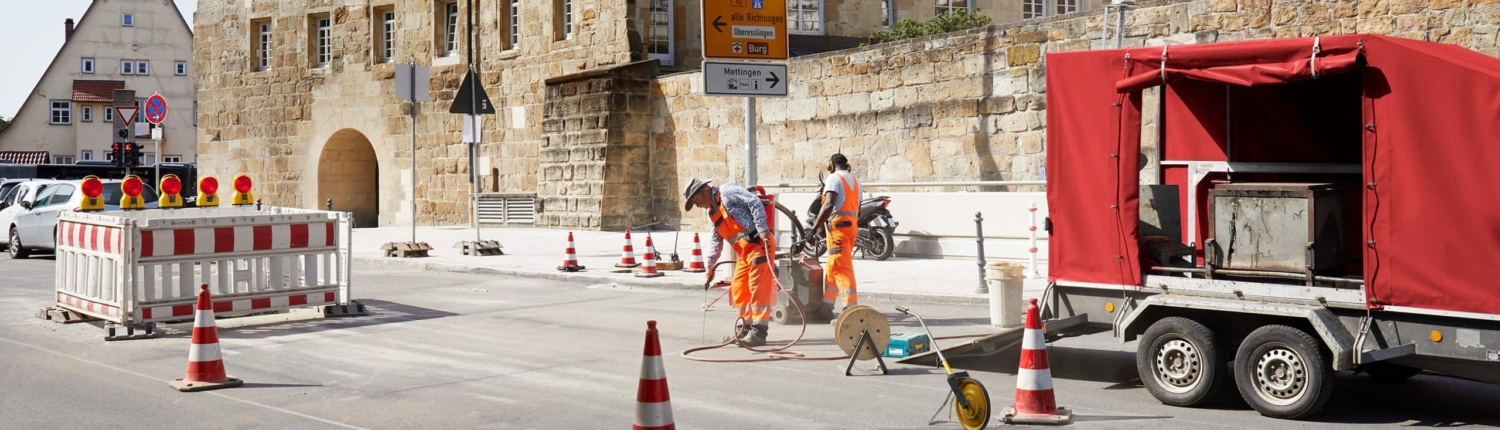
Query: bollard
[[329, 204], [984, 288], [257, 205]]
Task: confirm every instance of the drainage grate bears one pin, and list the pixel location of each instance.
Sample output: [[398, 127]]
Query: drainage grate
[[507, 209]]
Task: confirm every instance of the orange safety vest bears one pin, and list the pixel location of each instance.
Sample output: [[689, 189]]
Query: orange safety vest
[[850, 207], [725, 225]]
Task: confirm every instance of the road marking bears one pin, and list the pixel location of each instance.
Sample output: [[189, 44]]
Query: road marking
[[248, 402]]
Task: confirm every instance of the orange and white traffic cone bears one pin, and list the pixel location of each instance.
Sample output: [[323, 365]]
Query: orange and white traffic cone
[[653, 406], [648, 270], [627, 256], [695, 265], [570, 259], [1035, 403], [205, 370]]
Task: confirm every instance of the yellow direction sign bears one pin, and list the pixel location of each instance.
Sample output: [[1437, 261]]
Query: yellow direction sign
[[744, 29]]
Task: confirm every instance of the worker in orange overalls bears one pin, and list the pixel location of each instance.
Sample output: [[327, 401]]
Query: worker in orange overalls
[[841, 195], [739, 217]]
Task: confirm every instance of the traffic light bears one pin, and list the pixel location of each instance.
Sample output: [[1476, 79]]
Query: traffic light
[[116, 156]]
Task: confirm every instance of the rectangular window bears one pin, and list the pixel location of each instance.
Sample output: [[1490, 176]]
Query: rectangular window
[[180, 68], [62, 159], [945, 6], [127, 20], [140, 112], [62, 112], [109, 114], [142, 67], [86, 155], [387, 41], [1066, 6], [1032, 8], [514, 25], [450, 29], [888, 11], [562, 19], [805, 16], [260, 42], [195, 113], [659, 32], [171, 159], [87, 114], [127, 67], [149, 158], [322, 38], [88, 66]]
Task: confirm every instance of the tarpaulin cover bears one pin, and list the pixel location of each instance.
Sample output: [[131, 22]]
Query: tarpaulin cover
[[1429, 116]]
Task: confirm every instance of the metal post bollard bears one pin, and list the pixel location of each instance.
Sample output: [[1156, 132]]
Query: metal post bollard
[[979, 241], [257, 205], [329, 204]]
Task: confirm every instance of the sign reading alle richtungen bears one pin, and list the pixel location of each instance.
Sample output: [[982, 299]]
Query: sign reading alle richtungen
[[745, 29]]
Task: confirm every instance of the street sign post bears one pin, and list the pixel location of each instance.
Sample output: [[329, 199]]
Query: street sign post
[[412, 86], [125, 111], [745, 29], [721, 78]]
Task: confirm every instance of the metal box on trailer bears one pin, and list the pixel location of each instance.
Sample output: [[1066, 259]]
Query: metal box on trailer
[[1296, 228]]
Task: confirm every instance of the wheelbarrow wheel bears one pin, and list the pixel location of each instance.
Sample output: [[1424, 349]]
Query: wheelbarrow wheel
[[977, 415]]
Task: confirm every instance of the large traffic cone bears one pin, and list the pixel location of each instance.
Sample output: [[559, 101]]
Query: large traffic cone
[[653, 407], [648, 270], [695, 265], [627, 256], [1035, 403], [570, 259], [205, 370]]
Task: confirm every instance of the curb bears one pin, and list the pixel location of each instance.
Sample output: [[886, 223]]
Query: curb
[[432, 266]]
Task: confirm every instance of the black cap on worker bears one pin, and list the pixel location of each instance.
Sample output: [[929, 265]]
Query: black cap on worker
[[692, 188], [839, 160]]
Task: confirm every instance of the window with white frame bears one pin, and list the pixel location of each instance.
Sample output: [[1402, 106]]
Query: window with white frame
[[142, 67], [127, 20], [1033, 8], [87, 114], [945, 6], [1066, 6], [322, 38], [88, 66], [171, 159], [388, 36], [86, 155], [888, 11], [513, 24], [659, 32], [127, 67], [149, 158], [62, 112], [450, 29], [562, 22], [62, 159], [109, 114], [804, 16], [263, 45], [180, 68]]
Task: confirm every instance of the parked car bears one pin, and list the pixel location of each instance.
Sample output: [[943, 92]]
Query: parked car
[[35, 228], [11, 196]]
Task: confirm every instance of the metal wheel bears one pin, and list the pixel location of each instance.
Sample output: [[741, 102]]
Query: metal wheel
[[883, 244], [17, 250], [1280, 376], [1180, 363], [977, 415], [1282, 372], [1179, 367]]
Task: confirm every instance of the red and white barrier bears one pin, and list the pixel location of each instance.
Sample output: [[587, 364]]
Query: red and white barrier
[[135, 267], [1031, 272], [653, 405], [1035, 402]]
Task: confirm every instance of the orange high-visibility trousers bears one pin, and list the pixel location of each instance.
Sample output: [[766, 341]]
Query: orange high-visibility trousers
[[752, 290], [838, 279]]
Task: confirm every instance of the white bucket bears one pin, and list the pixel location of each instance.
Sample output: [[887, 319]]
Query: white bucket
[[1005, 282]]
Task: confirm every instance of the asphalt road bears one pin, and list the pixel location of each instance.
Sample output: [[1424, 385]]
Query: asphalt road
[[464, 351]]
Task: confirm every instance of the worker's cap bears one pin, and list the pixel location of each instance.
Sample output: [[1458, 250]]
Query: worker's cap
[[692, 188], [839, 159]]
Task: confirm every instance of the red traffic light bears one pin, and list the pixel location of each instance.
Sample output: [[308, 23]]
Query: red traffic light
[[171, 185], [114, 147], [209, 185], [129, 147], [132, 186], [92, 186], [242, 184]]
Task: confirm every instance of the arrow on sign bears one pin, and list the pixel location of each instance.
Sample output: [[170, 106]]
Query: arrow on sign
[[774, 80], [719, 25]]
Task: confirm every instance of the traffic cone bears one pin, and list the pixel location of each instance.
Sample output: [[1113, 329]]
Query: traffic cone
[[648, 270], [653, 407], [627, 256], [205, 370], [1035, 403], [570, 259], [696, 264]]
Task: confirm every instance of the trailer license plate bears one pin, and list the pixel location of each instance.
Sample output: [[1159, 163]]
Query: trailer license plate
[[1492, 355]]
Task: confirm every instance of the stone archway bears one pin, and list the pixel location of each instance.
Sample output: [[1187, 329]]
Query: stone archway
[[349, 173]]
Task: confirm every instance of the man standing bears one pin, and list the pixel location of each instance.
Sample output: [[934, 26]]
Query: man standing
[[739, 217], [841, 194]]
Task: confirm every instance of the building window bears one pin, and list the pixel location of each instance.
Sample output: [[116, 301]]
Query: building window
[[450, 29], [148, 158], [1066, 6], [109, 114], [888, 10], [140, 112], [513, 24], [127, 20], [127, 67], [87, 114], [142, 67], [387, 42], [945, 6], [1032, 8], [322, 37], [181, 68], [62, 112], [195, 113], [261, 41], [86, 155], [88, 66], [805, 16], [659, 33], [171, 159], [62, 159], [562, 12]]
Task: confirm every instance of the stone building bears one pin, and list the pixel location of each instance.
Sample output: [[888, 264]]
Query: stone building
[[604, 140], [140, 45]]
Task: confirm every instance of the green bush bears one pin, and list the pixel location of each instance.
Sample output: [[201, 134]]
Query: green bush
[[961, 19]]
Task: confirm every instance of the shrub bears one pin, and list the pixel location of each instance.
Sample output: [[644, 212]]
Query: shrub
[[961, 19]]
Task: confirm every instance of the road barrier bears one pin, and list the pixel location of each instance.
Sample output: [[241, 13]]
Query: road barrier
[[139, 267]]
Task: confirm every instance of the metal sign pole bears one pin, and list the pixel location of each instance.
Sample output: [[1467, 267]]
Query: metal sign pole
[[474, 120], [749, 142], [414, 151]]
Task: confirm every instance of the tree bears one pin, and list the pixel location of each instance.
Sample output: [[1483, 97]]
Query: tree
[[960, 19], [4, 123]]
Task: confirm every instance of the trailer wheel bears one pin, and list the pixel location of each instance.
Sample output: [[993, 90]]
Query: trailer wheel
[[1179, 362], [1389, 372], [1282, 372]]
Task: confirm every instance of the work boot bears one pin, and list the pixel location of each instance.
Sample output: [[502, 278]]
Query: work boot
[[756, 336], [737, 330]]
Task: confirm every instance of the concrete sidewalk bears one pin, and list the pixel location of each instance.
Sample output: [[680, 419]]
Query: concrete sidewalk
[[534, 252]]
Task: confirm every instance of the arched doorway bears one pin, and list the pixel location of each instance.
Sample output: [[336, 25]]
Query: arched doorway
[[349, 174]]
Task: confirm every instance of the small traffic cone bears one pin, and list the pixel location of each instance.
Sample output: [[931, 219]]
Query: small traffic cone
[[1035, 403], [648, 270], [627, 256], [653, 407], [205, 370], [570, 259], [696, 264]]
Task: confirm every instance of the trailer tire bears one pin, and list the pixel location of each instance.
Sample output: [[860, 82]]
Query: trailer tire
[[1389, 372], [1282, 372], [1181, 362]]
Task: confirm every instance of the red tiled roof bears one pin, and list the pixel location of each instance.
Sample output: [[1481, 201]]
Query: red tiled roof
[[24, 157], [96, 91]]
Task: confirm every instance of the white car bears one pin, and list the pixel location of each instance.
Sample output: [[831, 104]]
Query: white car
[[11, 196], [35, 228]]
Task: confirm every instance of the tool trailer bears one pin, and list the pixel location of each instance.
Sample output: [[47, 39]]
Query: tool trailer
[[1320, 205]]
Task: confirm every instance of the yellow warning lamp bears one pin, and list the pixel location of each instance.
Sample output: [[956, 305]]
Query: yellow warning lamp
[[171, 188], [208, 191], [242, 194], [92, 189], [132, 187]]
